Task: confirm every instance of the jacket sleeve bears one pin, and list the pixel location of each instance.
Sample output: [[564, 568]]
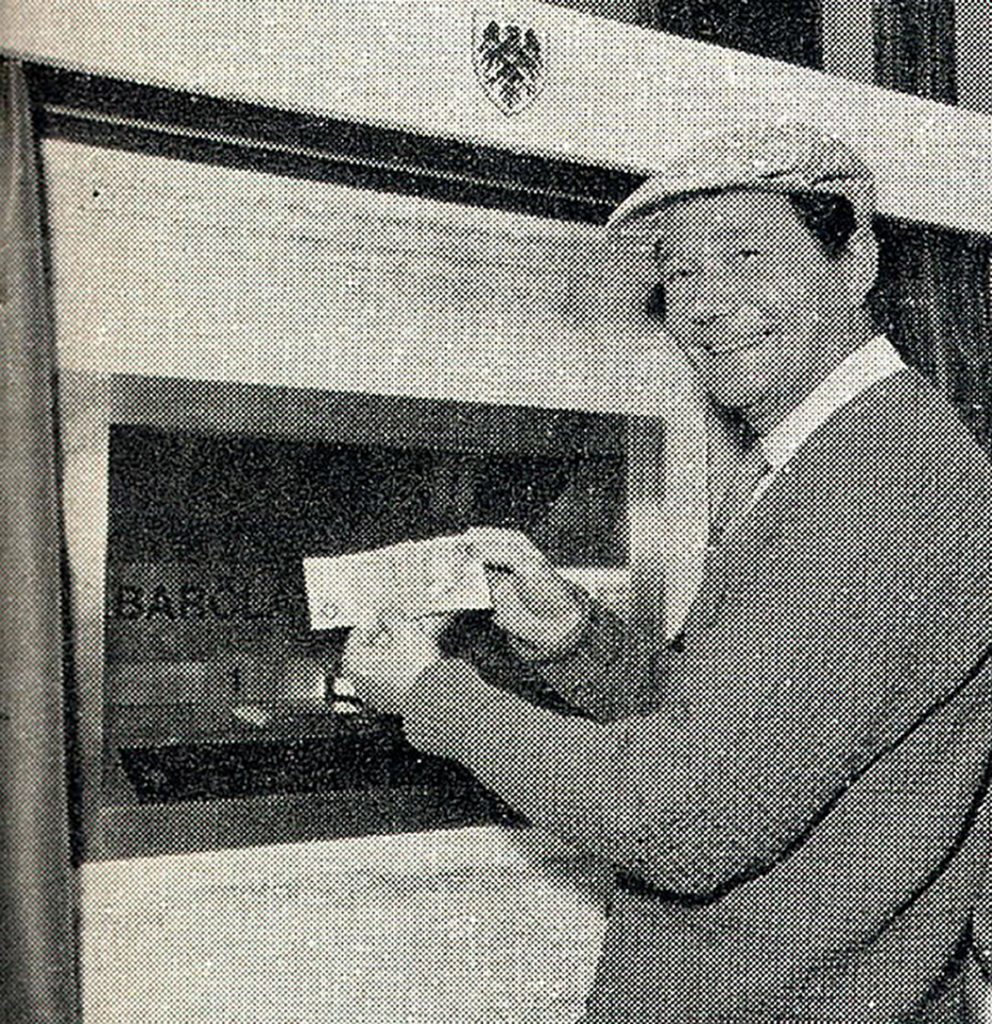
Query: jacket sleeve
[[596, 673], [744, 750], [592, 674]]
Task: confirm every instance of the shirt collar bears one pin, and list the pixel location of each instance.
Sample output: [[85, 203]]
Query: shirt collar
[[864, 367]]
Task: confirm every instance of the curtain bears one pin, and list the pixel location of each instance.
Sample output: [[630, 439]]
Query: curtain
[[933, 301], [934, 290], [38, 909], [914, 47]]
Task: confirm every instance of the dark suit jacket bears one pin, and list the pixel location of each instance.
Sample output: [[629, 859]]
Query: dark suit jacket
[[796, 802]]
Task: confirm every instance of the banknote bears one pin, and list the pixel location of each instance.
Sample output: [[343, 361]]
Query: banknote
[[412, 578]]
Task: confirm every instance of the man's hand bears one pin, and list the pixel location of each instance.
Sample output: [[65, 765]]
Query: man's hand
[[530, 600], [385, 660]]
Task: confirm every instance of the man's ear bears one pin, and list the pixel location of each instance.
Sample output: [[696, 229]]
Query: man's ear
[[861, 259]]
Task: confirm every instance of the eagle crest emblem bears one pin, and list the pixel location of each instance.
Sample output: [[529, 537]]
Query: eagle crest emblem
[[509, 59]]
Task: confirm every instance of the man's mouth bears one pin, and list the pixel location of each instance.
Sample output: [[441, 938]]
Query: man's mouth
[[739, 344]]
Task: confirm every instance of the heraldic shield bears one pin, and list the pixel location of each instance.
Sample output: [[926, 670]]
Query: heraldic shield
[[509, 61]]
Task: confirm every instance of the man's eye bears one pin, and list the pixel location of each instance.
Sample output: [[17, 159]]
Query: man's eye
[[745, 255], [681, 272]]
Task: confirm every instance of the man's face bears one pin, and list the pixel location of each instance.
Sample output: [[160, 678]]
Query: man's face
[[751, 298]]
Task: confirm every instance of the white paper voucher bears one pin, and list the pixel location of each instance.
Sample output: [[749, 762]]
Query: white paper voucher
[[412, 579]]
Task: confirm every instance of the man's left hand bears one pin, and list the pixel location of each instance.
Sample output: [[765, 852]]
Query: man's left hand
[[385, 660]]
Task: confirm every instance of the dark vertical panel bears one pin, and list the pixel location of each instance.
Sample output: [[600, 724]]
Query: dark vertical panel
[[787, 30], [37, 920], [933, 300], [915, 47], [934, 284]]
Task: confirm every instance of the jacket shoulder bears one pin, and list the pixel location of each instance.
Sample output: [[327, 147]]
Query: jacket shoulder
[[898, 444]]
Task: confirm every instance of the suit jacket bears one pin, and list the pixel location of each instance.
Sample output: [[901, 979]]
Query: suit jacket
[[796, 801]]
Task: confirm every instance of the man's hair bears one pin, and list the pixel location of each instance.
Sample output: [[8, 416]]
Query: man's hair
[[829, 219]]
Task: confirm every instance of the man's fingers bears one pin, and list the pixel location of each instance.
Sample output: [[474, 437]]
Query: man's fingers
[[503, 548], [355, 654], [365, 641], [434, 625], [361, 636], [506, 600], [390, 621]]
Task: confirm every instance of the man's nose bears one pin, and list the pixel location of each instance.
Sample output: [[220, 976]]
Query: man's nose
[[717, 298]]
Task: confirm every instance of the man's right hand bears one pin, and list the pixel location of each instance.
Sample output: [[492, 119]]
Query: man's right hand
[[531, 601]]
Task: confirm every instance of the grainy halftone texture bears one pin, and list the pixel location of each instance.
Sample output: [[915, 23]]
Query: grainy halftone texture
[[791, 791]]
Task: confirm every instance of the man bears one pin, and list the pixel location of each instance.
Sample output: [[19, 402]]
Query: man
[[795, 802]]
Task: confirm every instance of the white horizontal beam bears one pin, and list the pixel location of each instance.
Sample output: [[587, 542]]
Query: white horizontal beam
[[615, 95]]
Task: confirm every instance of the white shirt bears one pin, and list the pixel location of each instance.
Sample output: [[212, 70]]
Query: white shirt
[[868, 365]]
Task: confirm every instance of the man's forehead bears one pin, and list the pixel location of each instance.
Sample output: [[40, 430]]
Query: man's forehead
[[718, 216], [670, 244]]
